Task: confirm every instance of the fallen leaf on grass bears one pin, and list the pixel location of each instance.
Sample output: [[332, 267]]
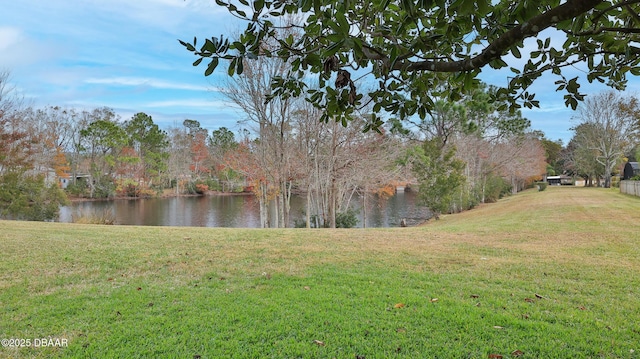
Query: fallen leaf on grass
[[540, 296], [399, 305], [497, 327], [529, 300], [139, 288], [582, 308], [495, 356], [433, 300], [306, 287], [517, 353], [475, 296], [109, 279], [318, 342]]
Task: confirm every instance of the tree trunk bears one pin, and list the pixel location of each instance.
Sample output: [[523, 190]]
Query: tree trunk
[[364, 208], [607, 174], [332, 204], [308, 210], [264, 214]]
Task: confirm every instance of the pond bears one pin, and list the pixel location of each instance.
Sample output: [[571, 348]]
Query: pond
[[237, 211]]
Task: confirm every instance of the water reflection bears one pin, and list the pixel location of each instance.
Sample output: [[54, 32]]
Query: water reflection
[[238, 211]]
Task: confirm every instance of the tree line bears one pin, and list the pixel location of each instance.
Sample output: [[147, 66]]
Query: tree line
[[463, 153], [607, 134], [286, 149]]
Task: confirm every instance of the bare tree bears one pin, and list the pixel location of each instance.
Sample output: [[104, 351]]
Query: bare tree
[[337, 163], [525, 160], [251, 92], [179, 155], [15, 140], [612, 128]]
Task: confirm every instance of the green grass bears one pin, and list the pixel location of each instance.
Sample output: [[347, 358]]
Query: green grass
[[552, 274]]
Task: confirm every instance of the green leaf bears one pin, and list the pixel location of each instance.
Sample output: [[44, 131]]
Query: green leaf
[[211, 67], [239, 66], [342, 23], [197, 62], [312, 59], [468, 81], [516, 52], [484, 7], [333, 48], [578, 24], [232, 67], [305, 5], [467, 7]]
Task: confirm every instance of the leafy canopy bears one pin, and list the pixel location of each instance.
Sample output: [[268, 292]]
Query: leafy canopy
[[416, 50]]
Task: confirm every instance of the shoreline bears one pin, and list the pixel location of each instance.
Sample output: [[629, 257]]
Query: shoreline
[[164, 195]]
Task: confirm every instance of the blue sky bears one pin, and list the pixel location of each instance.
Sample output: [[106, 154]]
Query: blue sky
[[121, 54], [124, 54]]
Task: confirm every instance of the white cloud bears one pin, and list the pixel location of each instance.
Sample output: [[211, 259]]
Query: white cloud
[[8, 37], [191, 103], [140, 81], [18, 49]]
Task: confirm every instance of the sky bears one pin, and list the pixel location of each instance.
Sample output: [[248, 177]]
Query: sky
[[125, 55]]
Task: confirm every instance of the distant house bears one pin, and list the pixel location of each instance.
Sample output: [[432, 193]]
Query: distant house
[[631, 169], [65, 182], [560, 180]]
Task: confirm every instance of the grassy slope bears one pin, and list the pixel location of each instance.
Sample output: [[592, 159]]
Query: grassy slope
[[548, 274]]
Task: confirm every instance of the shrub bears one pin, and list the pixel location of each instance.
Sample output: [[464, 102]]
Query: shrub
[[615, 182], [348, 219], [496, 187], [128, 188], [131, 188], [104, 188], [201, 188], [197, 187], [26, 197], [541, 186], [213, 184], [78, 189]]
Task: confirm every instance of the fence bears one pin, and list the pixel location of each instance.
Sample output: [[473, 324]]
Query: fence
[[630, 187]]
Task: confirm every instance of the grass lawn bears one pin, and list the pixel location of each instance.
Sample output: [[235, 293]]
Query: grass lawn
[[552, 274]]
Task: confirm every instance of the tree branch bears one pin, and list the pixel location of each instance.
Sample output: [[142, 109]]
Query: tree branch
[[496, 49]]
